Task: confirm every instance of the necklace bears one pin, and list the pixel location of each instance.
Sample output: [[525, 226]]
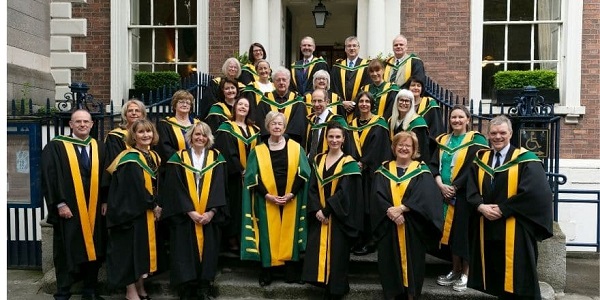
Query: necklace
[[276, 143]]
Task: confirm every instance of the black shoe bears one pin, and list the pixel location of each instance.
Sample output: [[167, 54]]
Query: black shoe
[[365, 250], [92, 297], [265, 278]]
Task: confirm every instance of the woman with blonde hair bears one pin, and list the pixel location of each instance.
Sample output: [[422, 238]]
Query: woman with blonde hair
[[405, 118], [132, 212], [193, 198]]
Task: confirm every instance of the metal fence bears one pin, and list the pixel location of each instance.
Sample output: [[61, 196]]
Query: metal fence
[[524, 111]]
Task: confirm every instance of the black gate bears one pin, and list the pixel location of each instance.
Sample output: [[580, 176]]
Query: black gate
[[30, 128]]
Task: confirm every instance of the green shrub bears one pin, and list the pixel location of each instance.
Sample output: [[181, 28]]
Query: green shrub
[[242, 57], [154, 80], [519, 79]]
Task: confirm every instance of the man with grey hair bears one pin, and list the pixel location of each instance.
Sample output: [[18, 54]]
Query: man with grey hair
[[513, 203], [304, 69], [349, 74], [402, 66], [285, 101]]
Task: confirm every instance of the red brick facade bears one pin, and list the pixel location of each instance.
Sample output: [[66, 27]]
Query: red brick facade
[[224, 31], [97, 46]]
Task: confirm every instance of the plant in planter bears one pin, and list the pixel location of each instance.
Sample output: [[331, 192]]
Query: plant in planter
[[144, 82], [509, 84]]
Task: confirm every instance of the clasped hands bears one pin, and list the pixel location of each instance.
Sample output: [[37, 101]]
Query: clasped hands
[[201, 219], [279, 200], [396, 214], [490, 211]]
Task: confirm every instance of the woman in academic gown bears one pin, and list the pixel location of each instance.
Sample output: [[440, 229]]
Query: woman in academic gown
[[274, 203], [383, 92], [132, 110], [371, 139], [235, 139], [406, 216], [222, 110], [194, 207], [335, 215], [132, 212], [450, 166], [405, 118]]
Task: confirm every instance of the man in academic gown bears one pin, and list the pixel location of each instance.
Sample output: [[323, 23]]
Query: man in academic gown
[[402, 66], [304, 69], [285, 101], [509, 190], [348, 75], [317, 122], [71, 176]]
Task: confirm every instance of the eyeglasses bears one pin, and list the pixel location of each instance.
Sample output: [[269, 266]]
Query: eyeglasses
[[404, 146], [403, 100], [320, 78]]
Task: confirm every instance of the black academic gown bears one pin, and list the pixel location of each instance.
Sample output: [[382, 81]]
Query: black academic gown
[[430, 110], [334, 191], [294, 110], [346, 81], [401, 258], [114, 143], [384, 95], [302, 81], [456, 222], [526, 219], [413, 68], [132, 249], [235, 145], [219, 113], [194, 247], [60, 183]]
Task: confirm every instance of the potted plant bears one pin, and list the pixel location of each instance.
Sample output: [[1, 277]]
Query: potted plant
[[144, 82], [508, 85]]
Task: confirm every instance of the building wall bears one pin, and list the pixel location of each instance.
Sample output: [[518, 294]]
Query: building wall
[[96, 45], [224, 28], [438, 32], [28, 50], [580, 141]]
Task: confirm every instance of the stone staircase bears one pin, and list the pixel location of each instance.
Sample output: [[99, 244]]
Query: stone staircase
[[239, 280]]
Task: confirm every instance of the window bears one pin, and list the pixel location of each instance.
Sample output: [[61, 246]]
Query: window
[[162, 35], [519, 35]]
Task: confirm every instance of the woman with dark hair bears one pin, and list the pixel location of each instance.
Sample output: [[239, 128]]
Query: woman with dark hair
[[274, 203], [255, 52], [231, 69], [429, 109], [406, 216], [450, 166], [193, 198], [235, 139], [132, 212], [256, 90], [222, 109], [404, 118], [371, 139], [335, 215], [383, 92]]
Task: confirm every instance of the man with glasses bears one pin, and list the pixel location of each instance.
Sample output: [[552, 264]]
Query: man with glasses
[[304, 69], [349, 74]]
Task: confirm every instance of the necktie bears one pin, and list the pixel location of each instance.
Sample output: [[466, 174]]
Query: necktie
[[305, 66], [85, 158], [394, 72], [498, 158], [351, 64], [314, 142]]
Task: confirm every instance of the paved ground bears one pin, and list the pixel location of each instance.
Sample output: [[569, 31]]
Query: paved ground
[[583, 282]]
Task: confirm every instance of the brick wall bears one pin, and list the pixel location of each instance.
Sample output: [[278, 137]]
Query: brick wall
[[438, 31], [224, 32], [97, 46], [581, 141]]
